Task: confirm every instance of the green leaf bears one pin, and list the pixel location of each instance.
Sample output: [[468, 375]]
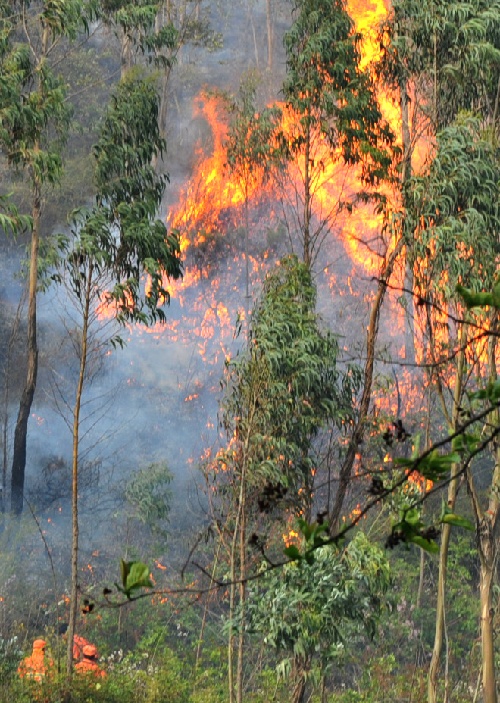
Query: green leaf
[[124, 570], [448, 517], [138, 576], [135, 574], [427, 544], [473, 300], [292, 552], [458, 521]]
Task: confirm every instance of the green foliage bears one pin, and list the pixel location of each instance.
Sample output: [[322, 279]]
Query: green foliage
[[454, 214], [451, 518], [148, 492], [252, 143], [120, 236], [327, 89], [315, 536], [134, 575], [318, 609], [10, 220], [34, 112], [138, 22], [452, 47], [285, 386]]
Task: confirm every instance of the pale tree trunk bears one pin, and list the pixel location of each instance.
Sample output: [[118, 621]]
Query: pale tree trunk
[[232, 612], [488, 554], [270, 34], [242, 597], [487, 522], [13, 339], [487, 528], [405, 176], [238, 570], [75, 466], [445, 536], [234, 681], [126, 58], [247, 263], [254, 34], [205, 615]]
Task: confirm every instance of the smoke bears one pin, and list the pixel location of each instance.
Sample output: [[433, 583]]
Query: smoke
[[156, 399]]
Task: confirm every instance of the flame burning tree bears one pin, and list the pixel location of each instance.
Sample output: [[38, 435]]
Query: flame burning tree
[[451, 233], [334, 112], [253, 152], [287, 386]]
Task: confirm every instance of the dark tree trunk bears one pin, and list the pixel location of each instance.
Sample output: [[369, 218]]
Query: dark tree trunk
[[21, 431]]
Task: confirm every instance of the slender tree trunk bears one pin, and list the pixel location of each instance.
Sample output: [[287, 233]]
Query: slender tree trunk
[[242, 597], [13, 338], [247, 264], [232, 595], [405, 176], [21, 430], [359, 429], [254, 35], [205, 613], [307, 200], [270, 34], [238, 575], [421, 571], [488, 557], [75, 466], [488, 549], [301, 666], [445, 537], [487, 526]]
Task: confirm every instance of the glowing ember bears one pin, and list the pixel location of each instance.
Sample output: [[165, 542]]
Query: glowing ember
[[291, 538]]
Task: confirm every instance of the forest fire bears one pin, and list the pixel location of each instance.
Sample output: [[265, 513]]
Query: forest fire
[[212, 201]]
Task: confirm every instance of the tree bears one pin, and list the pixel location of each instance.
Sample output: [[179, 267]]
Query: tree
[[446, 55], [454, 216], [253, 152], [152, 34], [334, 111], [279, 393], [118, 240], [313, 611], [35, 119]]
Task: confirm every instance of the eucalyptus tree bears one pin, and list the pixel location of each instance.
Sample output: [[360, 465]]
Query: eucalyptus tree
[[152, 33], [35, 119], [454, 225], [335, 113], [312, 613], [13, 224], [117, 241], [279, 392], [253, 151], [447, 54]]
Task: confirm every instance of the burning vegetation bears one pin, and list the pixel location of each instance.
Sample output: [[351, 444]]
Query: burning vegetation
[[339, 297]]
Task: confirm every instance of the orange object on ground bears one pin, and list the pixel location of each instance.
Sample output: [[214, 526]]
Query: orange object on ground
[[89, 664], [36, 666]]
